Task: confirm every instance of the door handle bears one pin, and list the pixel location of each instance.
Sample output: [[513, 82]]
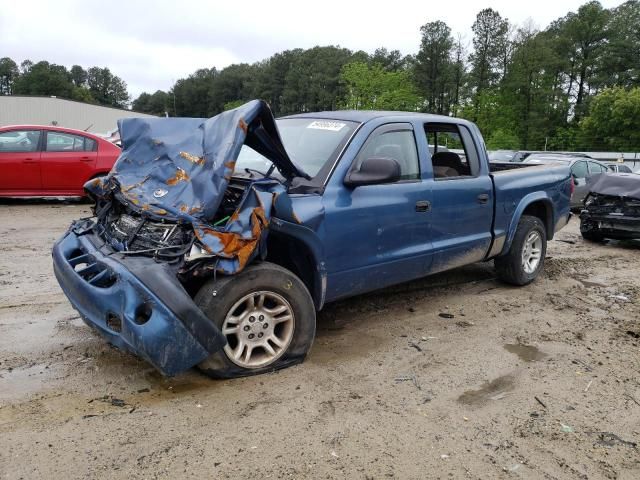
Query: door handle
[[29, 160], [483, 198], [85, 159], [423, 206]]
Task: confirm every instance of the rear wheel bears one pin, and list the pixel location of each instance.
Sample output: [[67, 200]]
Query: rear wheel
[[267, 315], [525, 259]]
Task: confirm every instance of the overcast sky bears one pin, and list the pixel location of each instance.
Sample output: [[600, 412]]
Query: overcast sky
[[150, 44]]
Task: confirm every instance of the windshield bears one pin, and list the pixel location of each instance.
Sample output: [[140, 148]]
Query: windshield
[[310, 142]]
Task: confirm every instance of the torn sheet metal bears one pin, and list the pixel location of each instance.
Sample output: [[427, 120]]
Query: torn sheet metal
[[616, 184], [179, 168]]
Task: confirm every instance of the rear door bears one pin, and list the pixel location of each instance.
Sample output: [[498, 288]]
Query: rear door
[[68, 161], [20, 161], [462, 213]]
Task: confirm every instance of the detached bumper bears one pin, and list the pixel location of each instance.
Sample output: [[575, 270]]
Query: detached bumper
[[137, 304]]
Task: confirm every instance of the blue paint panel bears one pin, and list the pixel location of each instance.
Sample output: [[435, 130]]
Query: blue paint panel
[[165, 340]]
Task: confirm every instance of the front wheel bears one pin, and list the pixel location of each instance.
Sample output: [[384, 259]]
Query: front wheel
[[525, 259], [267, 315]]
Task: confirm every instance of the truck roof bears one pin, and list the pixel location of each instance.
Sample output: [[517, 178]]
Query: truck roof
[[363, 116]]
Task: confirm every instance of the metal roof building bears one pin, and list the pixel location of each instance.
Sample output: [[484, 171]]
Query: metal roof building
[[33, 110]]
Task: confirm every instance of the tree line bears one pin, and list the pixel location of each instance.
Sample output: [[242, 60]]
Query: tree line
[[94, 85], [574, 85]]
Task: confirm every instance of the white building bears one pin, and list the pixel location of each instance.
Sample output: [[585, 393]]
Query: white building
[[33, 110]]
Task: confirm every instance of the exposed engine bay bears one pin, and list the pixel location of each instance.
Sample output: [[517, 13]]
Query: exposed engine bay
[[132, 233], [612, 208]]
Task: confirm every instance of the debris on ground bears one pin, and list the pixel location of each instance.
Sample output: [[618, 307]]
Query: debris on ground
[[622, 298], [608, 439], [465, 324], [566, 428], [540, 402], [408, 378]]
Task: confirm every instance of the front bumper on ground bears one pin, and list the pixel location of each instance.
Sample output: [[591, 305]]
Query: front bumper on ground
[[135, 302]]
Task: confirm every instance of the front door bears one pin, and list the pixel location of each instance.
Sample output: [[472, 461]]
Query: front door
[[20, 162], [462, 216], [378, 235], [68, 161]]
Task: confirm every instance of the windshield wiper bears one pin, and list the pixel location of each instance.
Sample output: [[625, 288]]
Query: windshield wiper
[[266, 175]]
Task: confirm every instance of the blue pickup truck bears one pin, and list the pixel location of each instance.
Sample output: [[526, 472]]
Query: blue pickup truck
[[214, 242]]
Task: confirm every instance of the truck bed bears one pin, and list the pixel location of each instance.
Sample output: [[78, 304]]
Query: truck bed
[[514, 187]]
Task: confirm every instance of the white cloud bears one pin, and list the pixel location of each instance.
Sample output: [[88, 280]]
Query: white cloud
[[152, 44]]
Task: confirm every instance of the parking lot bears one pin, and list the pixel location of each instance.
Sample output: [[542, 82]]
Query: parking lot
[[453, 376]]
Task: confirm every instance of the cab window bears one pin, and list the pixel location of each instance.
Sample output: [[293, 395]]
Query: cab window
[[397, 143]]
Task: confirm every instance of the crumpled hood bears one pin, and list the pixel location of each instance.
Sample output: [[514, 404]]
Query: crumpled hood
[[179, 169], [616, 184], [178, 166]]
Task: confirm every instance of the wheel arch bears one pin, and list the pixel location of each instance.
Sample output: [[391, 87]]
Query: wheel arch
[[298, 249], [538, 205]]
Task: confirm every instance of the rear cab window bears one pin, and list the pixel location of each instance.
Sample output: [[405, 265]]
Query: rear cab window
[[453, 153]]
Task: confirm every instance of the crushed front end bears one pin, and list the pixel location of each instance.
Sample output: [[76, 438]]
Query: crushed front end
[[167, 217], [612, 208], [611, 217], [136, 302]]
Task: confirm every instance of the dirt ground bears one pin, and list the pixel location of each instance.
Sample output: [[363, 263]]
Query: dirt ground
[[454, 376]]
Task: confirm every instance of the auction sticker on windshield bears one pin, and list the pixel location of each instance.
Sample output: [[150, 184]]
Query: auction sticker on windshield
[[325, 125]]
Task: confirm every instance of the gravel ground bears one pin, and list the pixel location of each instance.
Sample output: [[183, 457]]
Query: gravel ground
[[534, 382]]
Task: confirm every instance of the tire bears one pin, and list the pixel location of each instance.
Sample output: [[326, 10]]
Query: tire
[[234, 303], [511, 267], [590, 232]]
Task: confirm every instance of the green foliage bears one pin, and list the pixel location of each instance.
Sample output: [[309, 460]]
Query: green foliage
[[156, 104], [97, 85], [490, 44], [434, 68], [614, 119], [503, 140], [44, 78], [8, 74], [371, 87], [107, 88], [78, 76], [233, 104]]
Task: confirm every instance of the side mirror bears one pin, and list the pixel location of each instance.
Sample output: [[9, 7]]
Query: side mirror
[[374, 171]]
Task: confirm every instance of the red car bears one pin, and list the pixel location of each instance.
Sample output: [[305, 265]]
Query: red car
[[39, 161]]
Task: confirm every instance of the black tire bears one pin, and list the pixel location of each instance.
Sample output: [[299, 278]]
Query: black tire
[[216, 299], [509, 267], [590, 232]]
